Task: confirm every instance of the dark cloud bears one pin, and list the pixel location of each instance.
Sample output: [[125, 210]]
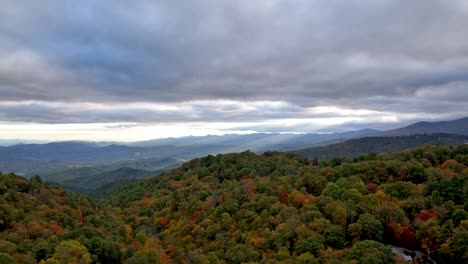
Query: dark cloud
[[392, 56]]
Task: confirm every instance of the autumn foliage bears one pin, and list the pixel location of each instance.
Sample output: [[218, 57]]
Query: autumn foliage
[[249, 208]]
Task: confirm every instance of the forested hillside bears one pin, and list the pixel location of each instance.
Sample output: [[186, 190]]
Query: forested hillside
[[240, 208], [40, 222], [87, 184], [248, 208]]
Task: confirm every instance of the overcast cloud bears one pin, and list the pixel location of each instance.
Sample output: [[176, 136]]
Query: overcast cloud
[[233, 61]]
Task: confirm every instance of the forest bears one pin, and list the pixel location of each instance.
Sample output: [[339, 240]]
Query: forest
[[248, 208]]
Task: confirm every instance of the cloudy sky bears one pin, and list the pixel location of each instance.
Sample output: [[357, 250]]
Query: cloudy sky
[[133, 70]]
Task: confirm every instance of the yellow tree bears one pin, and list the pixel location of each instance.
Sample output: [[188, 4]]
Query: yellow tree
[[70, 251]]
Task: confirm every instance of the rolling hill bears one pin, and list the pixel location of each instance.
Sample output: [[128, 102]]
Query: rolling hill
[[150, 164], [87, 179], [86, 184]]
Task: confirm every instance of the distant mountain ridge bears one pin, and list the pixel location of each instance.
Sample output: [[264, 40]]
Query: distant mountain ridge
[[256, 141], [356, 147], [458, 126], [44, 159]]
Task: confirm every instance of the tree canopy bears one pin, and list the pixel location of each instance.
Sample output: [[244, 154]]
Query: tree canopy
[[240, 208]]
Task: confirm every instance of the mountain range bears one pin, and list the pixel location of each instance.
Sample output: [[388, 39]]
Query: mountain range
[[450, 133], [85, 166], [54, 158], [360, 146], [458, 126]]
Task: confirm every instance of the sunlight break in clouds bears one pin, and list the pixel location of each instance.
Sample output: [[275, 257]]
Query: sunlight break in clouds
[[120, 132], [143, 121]]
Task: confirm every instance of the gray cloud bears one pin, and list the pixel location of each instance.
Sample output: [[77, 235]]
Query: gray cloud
[[198, 111], [392, 56]]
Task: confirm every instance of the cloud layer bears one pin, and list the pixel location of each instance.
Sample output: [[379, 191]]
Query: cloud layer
[[125, 61]]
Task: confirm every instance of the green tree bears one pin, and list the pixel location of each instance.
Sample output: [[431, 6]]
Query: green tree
[[6, 259], [334, 237], [71, 251], [456, 248], [241, 253], [369, 252], [312, 244], [306, 258], [429, 234], [369, 228], [144, 257]]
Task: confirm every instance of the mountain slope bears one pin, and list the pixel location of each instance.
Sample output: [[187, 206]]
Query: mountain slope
[[108, 189], [88, 183], [248, 208], [39, 221], [72, 173], [150, 164], [458, 126], [356, 147]]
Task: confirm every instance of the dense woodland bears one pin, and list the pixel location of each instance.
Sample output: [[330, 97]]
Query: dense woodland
[[240, 208]]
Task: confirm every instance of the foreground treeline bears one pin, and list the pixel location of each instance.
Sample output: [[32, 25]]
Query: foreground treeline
[[236, 208], [40, 222]]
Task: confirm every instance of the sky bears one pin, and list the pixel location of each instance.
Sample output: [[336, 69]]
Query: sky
[[136, 70]]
